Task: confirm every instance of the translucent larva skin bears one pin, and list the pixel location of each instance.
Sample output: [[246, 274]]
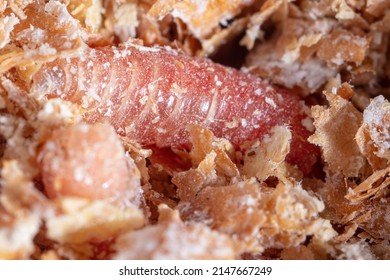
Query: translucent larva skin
[[150, 95]]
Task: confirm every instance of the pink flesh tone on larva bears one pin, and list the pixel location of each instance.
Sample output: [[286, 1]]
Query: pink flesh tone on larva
[[150, 95], [88, 161]]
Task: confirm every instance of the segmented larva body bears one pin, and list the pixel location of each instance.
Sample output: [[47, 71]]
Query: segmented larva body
[[152, 94]]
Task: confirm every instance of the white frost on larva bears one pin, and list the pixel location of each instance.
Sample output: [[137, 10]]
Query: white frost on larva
[[171, 99], [143, 100], [242, 83], [142, 48], [73, 70], [217, 81], [256, 112], [232, 124], [130, 128], [258, 92], [271, 102], [161, 130], [204, 107], [121, 53], [156, 120], [93, 94], [212, 108]]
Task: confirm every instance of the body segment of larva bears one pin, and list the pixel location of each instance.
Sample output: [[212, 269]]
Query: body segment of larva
[[151, 95]]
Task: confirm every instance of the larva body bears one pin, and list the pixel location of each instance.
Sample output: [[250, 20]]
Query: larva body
[[150, 95]]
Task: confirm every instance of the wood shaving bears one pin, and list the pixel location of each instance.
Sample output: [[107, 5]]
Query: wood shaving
[[256, 20], [173, 239], [373, 137], [341, 47], [294, 62], [204, 142], [121, 18], [300, 252], [7, 24], [377, 7], [209, 204], [262, 161], [336, 128], [292, 214], [37, 40], [80, 220], [201, 16], [88, 12], [373, 187], [13, 244]]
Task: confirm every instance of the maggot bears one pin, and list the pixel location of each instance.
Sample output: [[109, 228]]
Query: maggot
[[151, 94]]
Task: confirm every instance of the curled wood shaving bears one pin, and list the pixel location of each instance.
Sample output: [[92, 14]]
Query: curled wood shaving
[[352, 225], [372, 187]]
